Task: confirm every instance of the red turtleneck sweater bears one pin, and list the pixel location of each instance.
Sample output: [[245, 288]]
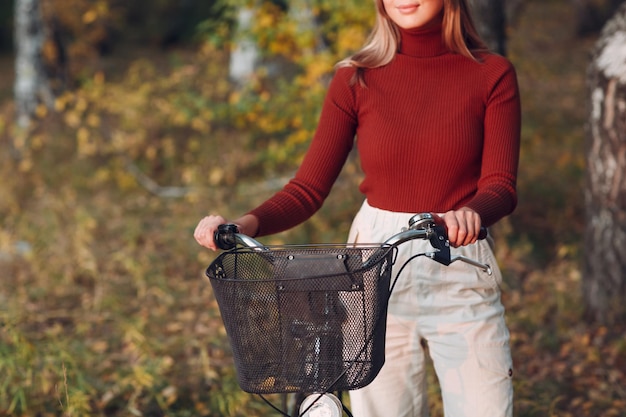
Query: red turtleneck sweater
[[435, 131]]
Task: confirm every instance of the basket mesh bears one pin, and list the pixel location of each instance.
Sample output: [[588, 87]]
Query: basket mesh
[[304, 319]]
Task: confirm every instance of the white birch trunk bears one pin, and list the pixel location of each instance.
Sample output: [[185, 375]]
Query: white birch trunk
[[31, 84], [245, 55], [604, 278]]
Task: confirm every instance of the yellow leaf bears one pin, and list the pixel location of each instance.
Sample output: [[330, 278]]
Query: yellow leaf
[[72, 119], [85, 145], [90, 17], [151, 153], [216, 175], [98, 77], [99, 346], [81, 104], [41, 111], [199, 125], [26, 165], [93, 120]]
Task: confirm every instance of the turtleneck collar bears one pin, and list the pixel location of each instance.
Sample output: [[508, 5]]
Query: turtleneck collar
[[422, 42]]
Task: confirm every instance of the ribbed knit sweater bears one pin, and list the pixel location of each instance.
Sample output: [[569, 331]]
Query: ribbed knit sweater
[[435, 131]]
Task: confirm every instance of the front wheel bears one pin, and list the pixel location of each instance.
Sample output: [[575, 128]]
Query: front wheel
[[321, 405]]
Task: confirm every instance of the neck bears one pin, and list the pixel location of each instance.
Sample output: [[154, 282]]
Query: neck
[[422, 42]]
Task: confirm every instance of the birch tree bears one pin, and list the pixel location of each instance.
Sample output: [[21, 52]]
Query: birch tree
[[604, 279], [31, 84], [246, 55]]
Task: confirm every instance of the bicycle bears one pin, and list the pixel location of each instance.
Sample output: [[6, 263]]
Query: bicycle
[[311, 319]]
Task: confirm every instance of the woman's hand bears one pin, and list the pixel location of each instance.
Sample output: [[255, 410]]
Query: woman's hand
[[463, 226], [205, 230]]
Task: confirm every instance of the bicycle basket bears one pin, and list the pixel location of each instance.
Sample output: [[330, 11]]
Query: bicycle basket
[[303, 318]]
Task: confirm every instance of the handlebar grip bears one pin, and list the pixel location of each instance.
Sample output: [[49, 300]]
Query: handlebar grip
[[425, 220], [224, 236]]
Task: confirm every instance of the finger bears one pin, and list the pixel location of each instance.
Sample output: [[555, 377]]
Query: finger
[[472, 223], [468, 228], [463, 227], [476, 224], [204, 232], [200, 234], [462, 235], [452, 227]]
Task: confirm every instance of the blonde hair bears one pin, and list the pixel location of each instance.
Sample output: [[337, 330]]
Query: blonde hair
[[458, 32]]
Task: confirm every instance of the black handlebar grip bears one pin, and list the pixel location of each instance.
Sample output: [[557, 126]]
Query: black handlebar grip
[[224, 236], [423, 220]]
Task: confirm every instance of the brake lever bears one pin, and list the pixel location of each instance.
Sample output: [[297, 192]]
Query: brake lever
[[442, 255], [485, 267]]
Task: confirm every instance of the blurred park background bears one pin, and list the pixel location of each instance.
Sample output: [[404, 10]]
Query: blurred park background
[[104, 308]]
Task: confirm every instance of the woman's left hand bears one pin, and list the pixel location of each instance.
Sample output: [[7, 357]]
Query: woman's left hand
[[463, 226]]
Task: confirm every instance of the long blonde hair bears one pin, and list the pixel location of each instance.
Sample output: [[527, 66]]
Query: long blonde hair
[[458, 32]]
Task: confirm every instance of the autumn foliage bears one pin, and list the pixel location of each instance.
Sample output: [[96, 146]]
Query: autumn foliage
[[104, 309]]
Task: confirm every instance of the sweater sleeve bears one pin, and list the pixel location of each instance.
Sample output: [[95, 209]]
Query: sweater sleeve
[[496, 194], [304, 194]]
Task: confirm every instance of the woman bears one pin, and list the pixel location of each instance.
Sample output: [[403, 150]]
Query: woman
[[437, 125]]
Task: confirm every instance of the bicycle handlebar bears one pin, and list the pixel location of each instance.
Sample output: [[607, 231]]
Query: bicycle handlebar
[[227, 237], [421, 226]]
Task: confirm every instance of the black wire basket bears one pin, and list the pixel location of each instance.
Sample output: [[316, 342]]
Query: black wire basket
[[304, 318]]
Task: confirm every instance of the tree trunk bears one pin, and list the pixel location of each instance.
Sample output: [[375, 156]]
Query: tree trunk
[[591, 15], [31, 84], [245, 55], [604, 278], [490, 19]]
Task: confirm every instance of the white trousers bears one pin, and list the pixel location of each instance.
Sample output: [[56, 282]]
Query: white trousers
[[453, 310]]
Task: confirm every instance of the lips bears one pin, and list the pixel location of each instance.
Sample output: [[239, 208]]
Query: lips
[[407, 8]]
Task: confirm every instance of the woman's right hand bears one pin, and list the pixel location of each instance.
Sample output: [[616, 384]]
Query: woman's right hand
[[205, 230]]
